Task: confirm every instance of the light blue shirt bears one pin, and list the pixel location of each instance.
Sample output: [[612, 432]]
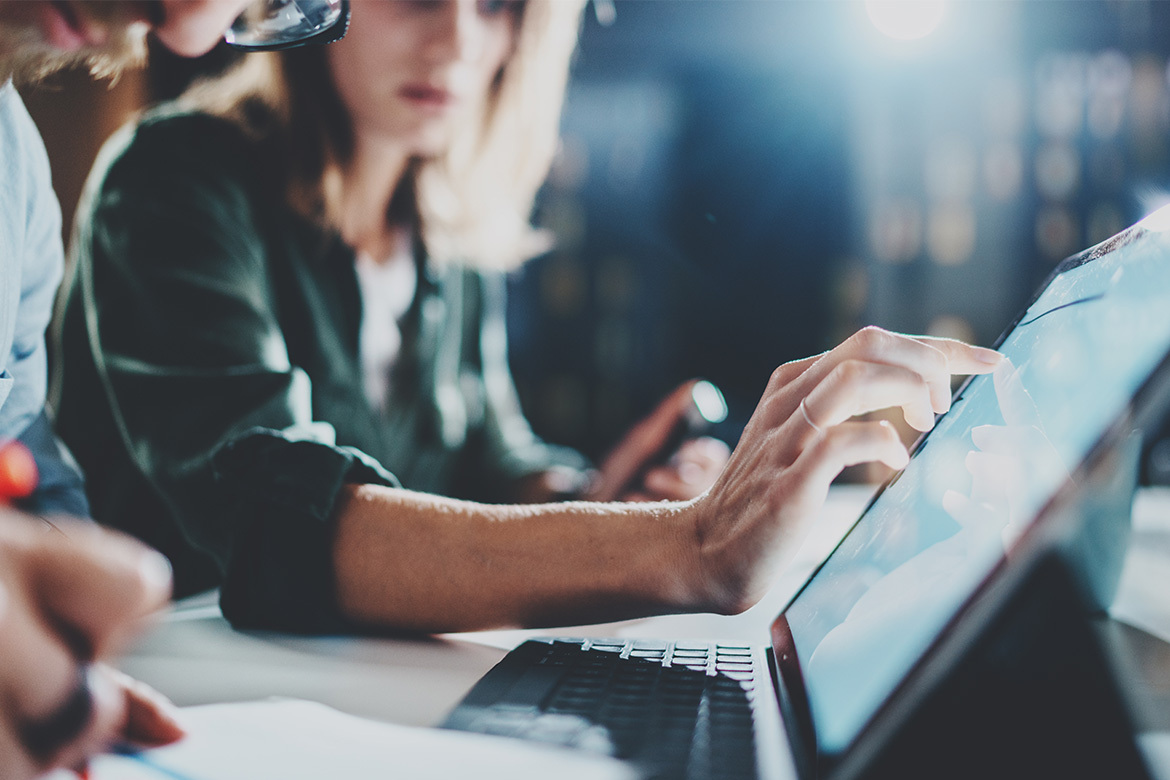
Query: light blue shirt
[[31, 264]]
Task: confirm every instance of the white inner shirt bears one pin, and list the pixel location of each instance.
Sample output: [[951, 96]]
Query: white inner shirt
[[387, 288]]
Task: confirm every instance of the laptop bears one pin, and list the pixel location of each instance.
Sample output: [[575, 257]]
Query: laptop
[[1021, 465]]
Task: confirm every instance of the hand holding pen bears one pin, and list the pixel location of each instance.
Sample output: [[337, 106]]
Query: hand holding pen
[[68, 602]]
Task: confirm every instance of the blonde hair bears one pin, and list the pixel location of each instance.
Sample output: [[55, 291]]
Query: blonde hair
[[473, 202]]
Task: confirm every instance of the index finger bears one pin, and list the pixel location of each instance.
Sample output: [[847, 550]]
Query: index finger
[[934, 359], [963, 358], [151, 719]]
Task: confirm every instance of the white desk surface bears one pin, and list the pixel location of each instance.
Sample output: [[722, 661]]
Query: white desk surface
[[194, 657]]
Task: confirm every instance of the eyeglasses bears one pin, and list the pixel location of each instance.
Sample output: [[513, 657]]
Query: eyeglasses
[[272, 25]]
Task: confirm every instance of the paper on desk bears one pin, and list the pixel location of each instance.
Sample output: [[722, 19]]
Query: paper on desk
[[291, 739]]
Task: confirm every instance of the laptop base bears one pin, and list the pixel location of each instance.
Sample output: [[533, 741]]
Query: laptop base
[[1035, 695]]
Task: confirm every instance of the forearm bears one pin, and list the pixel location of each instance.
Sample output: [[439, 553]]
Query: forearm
[[424, 563]]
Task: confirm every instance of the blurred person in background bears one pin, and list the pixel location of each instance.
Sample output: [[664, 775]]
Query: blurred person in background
[[358, 206], [288, 289], [71, 594]]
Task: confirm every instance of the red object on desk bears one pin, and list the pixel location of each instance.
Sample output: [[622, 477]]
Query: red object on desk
[[18, 472]]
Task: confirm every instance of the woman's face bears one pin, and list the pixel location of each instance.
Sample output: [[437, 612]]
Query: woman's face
[[410, 71]]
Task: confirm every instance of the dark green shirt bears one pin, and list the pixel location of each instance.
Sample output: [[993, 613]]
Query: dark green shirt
[[212, 386]]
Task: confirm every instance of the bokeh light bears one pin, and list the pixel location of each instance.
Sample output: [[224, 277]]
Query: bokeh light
[[906, 20]]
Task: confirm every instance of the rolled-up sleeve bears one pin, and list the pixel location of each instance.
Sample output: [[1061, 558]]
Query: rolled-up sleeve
[[288, 487]]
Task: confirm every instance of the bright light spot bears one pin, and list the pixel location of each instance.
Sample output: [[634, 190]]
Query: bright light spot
[[1159, 221], [605, 11], [905, 20]]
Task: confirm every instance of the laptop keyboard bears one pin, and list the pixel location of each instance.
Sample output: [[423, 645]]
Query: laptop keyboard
[[673, 709]]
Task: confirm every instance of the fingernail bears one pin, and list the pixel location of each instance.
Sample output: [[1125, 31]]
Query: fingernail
[[903, 459], [168, 711], [155, 571], [167, 726], [988, 356]]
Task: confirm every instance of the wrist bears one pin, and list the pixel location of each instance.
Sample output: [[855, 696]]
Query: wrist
[[720, 579], [689, 587]]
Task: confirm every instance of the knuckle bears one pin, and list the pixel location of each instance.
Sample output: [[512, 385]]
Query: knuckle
[[938, 357], [838, 437], [851, 371], [784, 487], [926, 396], [884, 432], [871, 338], [936, 364], [824, 443], [779, 377]]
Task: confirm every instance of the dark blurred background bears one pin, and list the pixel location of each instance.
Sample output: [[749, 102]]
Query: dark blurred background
[[744, 182]]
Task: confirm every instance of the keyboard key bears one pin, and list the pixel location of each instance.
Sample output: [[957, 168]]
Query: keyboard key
[[647, 653], [650, 644], [692, 645], [689, 654]]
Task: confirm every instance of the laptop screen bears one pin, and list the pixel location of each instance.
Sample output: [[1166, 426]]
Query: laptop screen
[[1076, 357]]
